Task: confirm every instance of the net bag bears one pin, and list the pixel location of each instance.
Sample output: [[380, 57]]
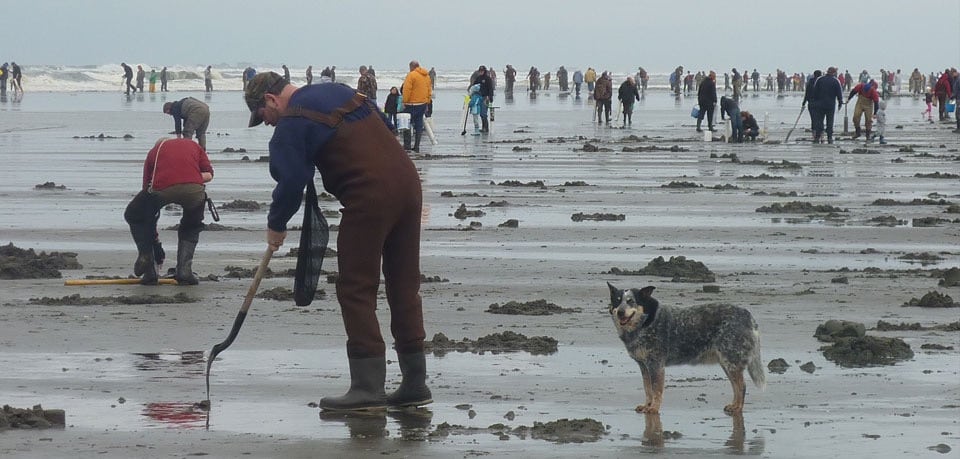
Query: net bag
[[313, 245]]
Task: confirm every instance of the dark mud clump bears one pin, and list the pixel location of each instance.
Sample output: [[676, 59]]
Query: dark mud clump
[[763, 176], [534, 184], [681, 185], [580, 216], [867, 351], [933, 300], [46, 186], [462, 213], [922, 257], [679, 268], [800, 207], [233, 150], [575, 183], [450, 194], [285, 294], [935, 347], [778, 366], [17, 263], [887, 220], [424, 279], [914, 202], [242, 205], [530, 308], [77, 300], [210, 227], [568, 430], [496, 343], [295, 252], [34, 418], [522, 149], [237, 272], [511, 223], [834, 330], [951, 278], [902, 326], [938, 175]]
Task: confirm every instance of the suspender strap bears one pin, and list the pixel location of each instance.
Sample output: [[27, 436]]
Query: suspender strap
[[333, 119]]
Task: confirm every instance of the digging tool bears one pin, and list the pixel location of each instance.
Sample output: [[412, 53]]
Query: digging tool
[[466, 114], [238, 322], [76, 282], [794, 125], [846, 121]]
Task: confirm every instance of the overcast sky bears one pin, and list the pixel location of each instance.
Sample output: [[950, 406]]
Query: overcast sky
[[617, 35]]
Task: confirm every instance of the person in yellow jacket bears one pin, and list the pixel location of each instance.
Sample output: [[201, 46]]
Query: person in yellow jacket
[[417, 94], [590, 78]]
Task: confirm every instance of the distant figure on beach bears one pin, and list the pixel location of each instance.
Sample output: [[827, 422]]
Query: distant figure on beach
[[190, 116], [590, 78], [163, 79], [373, 72], [916, 82], [325, 75], [4, 75], [628, 95], [755, 76], [474, 106], [486, 97], [208, 79], [808, 97], [533, 80], [376, 182], [943, 89], [603, 95], [562, 79], [366, 84], [750, 127], [153, 80], [928, 98], [731, 108], [392, 106], [510, 74], [641, 79], [882, 120], [333, 73], [16, 75], [248, 74], [493, 76], [546, 81], [127, 76], [286, 73], [867, 98], [174, 172], [417, 94], [141, 75], [737, 85], [309, 75], [577, 82], [433, 78], [956, 97], [847, 80], [707, 98], [826, 94]]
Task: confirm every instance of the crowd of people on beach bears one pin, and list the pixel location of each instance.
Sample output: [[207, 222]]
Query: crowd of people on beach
[[14, 74]]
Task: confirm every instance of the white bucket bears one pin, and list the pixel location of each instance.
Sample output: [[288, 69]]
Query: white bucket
[[707, 135], [403, 121]]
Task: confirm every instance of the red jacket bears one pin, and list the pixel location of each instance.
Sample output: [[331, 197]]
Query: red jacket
[[944, 85], [866, 90], [180, 161]]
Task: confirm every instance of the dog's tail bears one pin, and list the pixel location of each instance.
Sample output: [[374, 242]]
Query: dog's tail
[[755, 364]]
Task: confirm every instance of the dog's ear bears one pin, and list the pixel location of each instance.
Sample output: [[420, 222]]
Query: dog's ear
[[647, 291], [612, 288]]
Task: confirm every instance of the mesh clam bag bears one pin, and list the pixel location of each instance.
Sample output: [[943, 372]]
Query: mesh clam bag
[[313, 245]]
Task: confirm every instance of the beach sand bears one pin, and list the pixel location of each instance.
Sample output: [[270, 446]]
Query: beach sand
[[128, 375]]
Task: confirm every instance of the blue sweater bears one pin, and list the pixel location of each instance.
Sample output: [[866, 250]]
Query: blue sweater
[[297, 141]]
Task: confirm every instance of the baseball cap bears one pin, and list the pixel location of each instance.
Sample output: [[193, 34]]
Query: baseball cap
[[259, 86]]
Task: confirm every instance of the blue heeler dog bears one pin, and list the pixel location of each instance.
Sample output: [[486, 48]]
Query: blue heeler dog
[[658, 336]]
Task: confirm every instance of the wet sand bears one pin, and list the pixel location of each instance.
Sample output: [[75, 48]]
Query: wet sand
[[128, 375]]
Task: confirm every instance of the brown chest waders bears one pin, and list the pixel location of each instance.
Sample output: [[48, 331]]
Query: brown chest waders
[[364, 166]]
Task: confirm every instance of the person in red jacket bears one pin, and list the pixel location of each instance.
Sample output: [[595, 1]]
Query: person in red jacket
[[174, 171], [867, 103], [944, 92]]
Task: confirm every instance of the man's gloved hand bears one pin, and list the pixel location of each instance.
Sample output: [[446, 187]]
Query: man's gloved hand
[[158, 254]]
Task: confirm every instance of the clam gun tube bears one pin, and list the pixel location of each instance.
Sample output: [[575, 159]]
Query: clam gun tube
[[75, 282]]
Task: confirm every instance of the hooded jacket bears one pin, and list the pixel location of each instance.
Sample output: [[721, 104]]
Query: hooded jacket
[[416, 87]]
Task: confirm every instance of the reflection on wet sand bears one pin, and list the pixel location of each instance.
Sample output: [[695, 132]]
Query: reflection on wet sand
[[654, 436], [176, 414], [413, 424]]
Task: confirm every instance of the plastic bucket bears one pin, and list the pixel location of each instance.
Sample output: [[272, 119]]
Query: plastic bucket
[[403, 121], [950, 107], [695, 112]]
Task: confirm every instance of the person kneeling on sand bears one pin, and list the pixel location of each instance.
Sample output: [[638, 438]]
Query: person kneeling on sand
[[750, 127], [174, 172]]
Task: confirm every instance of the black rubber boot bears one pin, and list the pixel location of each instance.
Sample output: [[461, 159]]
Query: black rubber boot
[[856, 132], [366, 387], [484, 125], [184, 275], [413, 390], [416, 141], [145, 266]]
